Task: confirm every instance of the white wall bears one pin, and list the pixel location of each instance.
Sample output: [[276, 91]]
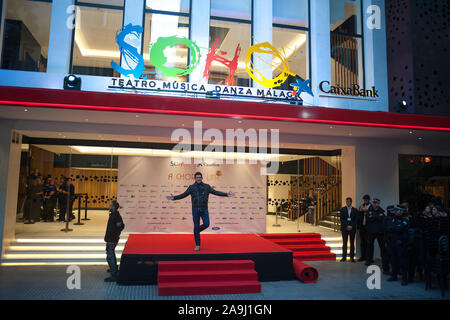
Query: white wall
[[9, 182]]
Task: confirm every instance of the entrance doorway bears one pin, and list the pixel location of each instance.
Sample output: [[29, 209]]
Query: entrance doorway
[[302, 196]]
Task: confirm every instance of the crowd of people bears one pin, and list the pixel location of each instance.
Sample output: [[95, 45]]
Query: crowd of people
[[406, 239], [47, 198]]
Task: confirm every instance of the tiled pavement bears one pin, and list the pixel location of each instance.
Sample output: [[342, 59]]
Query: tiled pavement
[[336, 281]]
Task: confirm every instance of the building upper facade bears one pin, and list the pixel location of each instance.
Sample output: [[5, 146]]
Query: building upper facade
[[327, 53]]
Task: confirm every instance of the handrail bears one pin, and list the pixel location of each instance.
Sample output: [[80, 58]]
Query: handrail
[[327, 201]]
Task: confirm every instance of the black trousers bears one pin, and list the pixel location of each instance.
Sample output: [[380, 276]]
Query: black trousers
[[49, 209], [363, 242], [370, 244], [398, 252], [345, 235], [416, 257], [387, 261], [111, 257], [62, 208]]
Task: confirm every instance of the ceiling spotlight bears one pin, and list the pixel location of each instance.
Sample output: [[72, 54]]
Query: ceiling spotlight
[[72, 82], [26, 110], [401, 106]]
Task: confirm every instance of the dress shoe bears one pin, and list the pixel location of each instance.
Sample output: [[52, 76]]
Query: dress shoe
[[361, 259], [343, 259], [111, 279], [197, 248], [352, 260], [404, 283]]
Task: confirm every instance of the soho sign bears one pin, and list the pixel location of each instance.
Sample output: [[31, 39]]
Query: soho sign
[[159, 59]]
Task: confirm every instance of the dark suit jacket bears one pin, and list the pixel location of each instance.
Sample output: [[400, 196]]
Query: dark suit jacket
[[344, 216]]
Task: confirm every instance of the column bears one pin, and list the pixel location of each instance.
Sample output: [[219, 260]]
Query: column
[[262, 32], [200, 13], [320, 47], [375, 53], [61, 31], [133, 13], [10, 151]]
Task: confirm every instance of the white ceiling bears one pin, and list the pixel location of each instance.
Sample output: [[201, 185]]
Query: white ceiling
[[158, 127]]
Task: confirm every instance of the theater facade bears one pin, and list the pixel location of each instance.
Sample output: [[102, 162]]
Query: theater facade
[[103, 91]]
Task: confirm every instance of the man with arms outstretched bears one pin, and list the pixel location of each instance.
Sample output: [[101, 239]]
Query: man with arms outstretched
[[199, 192]]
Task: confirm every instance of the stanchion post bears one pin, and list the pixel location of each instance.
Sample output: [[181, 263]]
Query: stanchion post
[[276, 219], [85, 207], [79, 212]]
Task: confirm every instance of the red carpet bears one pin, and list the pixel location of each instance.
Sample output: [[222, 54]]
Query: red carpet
[[211, 244], [306, 246], [177, 278], [304, 272], [143, 252]]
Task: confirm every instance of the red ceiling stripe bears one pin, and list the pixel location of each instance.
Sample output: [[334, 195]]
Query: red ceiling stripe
[[100, 101]]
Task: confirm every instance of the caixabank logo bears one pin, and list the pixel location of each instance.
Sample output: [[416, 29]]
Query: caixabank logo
[[355, 90]]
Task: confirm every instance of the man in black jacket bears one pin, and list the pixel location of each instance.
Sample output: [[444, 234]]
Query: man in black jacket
[[375, 230], [397, 230], [199, 192], [362, 226], [112, 236], [348, 217]]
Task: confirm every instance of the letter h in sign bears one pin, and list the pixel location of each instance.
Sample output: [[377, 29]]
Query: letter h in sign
[[230, 64]]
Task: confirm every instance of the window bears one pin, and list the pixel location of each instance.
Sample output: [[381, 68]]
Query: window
[[346, 43], [166, 19], [176, 6], [26, 35], [230, 35], [290, 36], [94, 45]]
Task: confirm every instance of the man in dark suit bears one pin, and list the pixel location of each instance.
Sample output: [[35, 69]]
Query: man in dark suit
[[349, 216]]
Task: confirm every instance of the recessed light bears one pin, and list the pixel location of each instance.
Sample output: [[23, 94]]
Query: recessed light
[[331, 127], [137, 116], [420, 138], [86, 119], [410, 132], [239, 121], [25, 110]]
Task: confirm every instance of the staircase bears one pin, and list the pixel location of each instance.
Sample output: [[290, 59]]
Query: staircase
[[58, 251], [305, 246], [178, 278], [331, 221]]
